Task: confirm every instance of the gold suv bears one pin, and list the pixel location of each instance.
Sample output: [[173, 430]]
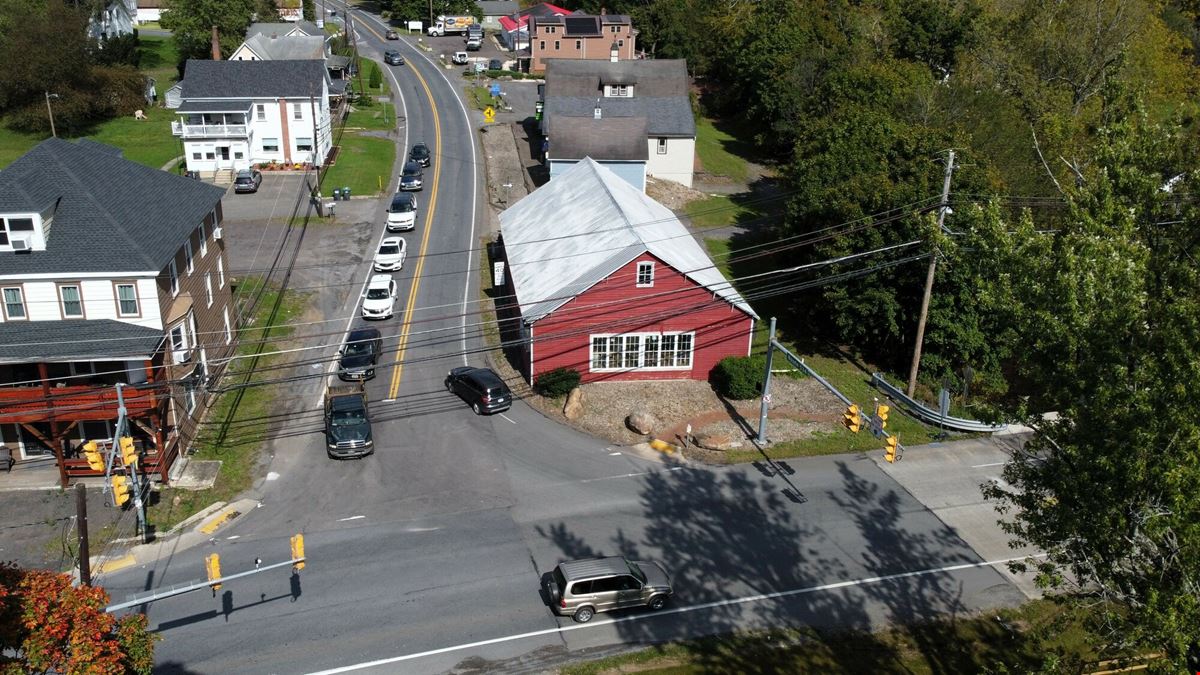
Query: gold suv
[[580, 588]]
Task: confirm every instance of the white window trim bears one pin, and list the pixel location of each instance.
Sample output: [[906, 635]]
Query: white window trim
[[641, 352], [174, 278], [62, 301], [189, 258], [183, 336], [24, 306], [208, 288], [662, 146], [228, 330], [136, 300], [647, 265], [203, 240], [220, 272]]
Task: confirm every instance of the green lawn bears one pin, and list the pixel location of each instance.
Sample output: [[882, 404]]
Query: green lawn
[[1020, 640], [722, 211], [364, 163], [713, 147], [237, 426], [379, 116], [158, 60]]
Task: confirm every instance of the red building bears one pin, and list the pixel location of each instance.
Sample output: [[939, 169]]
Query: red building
[[604, 280]]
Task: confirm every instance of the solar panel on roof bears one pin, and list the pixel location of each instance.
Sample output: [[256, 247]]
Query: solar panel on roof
[[579, 25]]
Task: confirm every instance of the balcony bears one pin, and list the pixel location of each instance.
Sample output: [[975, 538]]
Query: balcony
[[73, 403], [185, 130]]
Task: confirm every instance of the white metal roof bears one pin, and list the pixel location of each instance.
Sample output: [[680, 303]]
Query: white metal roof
[[584, 225]]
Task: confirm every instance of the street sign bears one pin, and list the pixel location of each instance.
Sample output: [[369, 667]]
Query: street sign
[[480, 66], [489, 114], [495, 89], [766, 398]]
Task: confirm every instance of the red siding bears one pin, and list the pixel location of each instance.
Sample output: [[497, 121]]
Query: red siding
[[616, 305]]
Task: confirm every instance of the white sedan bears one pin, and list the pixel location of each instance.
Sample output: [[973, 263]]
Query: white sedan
[[380, 299], [390, 256]]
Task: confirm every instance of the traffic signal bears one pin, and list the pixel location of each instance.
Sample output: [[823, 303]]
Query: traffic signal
[[129, 456], [120, 486], [95, 459], [852, 419], [889, 453], [298, 551], [882, 413], [212, 565]]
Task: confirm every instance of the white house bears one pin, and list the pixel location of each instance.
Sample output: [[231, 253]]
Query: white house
[[233, 114], [492, 10], [291, 27], [272, 47], [115, 19], [149, 10], [585, 102]]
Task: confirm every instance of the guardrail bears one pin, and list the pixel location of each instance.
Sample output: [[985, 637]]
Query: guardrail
[[927, 414]]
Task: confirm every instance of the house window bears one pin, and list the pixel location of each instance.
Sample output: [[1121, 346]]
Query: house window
[[646, 351], [578, 45], [556, 45], [237, 154], [303, 145], [195, 155], [178, 337], [174, 278], [208, 288], [270, 145], [220, 273], [619, 91], [662, 146], [549, 29], [620, 43], [14, 304], [645, 274], [228, 332], [210, 155], [188, 263], [542, 45], [260, 111], [297, 111], [8, 225], [72, 302], [203, 240], [127, 300]]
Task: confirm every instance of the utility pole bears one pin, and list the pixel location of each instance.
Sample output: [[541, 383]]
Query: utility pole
[[916, 359], [131, 469], [85, 564], [765, 404], [51, 112]]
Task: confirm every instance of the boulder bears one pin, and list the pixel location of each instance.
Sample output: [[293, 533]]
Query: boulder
[[641, 422], [573, 408], [720, 442]]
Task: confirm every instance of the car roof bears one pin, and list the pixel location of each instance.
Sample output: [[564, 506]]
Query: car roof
[[593, 567], [410, 164], [400, 197], [420, 144], [363, 334], [245, 172], [396, 241], [485, 376], [380, 280], [390, 52]]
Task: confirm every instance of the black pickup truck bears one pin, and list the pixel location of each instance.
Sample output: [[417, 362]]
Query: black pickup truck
[[347, 424]]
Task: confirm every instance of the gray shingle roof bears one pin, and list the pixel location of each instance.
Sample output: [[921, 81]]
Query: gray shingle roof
[[579, 228], [660, 93], [24, 341], [230, 105], [622, 138], [110, 214], [498, 7], [253, 79], [285, 48], [307, 27]]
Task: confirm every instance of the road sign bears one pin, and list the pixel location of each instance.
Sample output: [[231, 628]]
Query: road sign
[[766, 398], [489, 114], [480, 66], [495, 89]]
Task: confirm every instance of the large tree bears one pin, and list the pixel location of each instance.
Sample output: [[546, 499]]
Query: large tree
[[48, 625], [192, 21]]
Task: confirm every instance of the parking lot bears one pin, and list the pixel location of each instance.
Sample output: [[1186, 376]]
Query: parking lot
[[445, 46]]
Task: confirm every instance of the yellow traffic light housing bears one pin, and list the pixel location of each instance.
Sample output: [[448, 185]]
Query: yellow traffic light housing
[[129, 456], [852, 418], [212, 565], [882, 413], [298, 552], [95, 459], [120, 487], [889, 453]]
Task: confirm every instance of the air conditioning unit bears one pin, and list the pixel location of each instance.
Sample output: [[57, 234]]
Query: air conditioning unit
[[20, 243], [181, 355], [216, 233]]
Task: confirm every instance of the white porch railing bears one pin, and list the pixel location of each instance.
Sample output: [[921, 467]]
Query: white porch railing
[[208, 130]]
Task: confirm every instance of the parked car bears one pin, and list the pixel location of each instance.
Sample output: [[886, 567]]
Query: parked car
[[474, 45], [393, 58], [480, 387], [360, 354], [390, 256], [391, 35], [495, 64], [402, 212], [420, 154], [380, 298], [247, 180], [459, 58], [411, 178], [581, 588]]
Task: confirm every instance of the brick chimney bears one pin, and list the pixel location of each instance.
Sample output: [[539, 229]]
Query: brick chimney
[[216, 45]]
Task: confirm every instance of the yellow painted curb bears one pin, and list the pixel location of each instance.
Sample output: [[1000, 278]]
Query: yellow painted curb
[[218, 520], [114, 564], [662, 446]]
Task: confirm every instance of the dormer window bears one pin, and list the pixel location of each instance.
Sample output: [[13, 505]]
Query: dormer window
[[17, 233], [618, 91]]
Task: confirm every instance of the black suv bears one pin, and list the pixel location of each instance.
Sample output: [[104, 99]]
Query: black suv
[[360, 354], [393, 58], [480, 387], [420, 154], [411, 179]]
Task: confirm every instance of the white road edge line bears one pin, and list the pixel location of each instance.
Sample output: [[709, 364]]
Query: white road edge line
[[980, 466], [676, 610], [510, 420], [342, 520]]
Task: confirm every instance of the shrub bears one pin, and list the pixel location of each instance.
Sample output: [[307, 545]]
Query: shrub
[[375, 77], [557, 382], [739, 377]]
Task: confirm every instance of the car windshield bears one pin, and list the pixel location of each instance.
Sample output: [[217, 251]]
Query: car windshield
[[636, 572], [420, 151], [245, 178], [357, 348], [411, 170], [377, 294], [348, 419], [390, 249], [402, 206]]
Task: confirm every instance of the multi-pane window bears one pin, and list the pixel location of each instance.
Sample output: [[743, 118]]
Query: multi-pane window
[[14, 304], [127, 301], [72, 301], [645, 274], [542, 45], [303, 144], [662, 146], [203, 240], [174, 278], [12, 226], [642, 350], [556, 43], [578, 44], [298, 111], [260, 110], [188, 263], [270, 145]]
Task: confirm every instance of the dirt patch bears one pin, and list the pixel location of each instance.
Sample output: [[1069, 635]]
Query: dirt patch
[[670, 194]]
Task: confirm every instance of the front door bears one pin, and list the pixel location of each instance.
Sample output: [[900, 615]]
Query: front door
[[223, 157]]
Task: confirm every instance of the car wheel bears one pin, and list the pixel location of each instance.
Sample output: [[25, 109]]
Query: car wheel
[[657, 602], [584, 614], [449, 387], [475, 407]]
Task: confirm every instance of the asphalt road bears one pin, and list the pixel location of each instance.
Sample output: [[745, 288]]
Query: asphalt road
[[439, 539]]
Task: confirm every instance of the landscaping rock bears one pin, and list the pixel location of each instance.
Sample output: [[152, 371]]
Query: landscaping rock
[[717, 442], [642, 422], [574, 405]]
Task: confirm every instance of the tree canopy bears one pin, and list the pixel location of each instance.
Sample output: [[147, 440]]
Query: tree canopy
[[192, 21]]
